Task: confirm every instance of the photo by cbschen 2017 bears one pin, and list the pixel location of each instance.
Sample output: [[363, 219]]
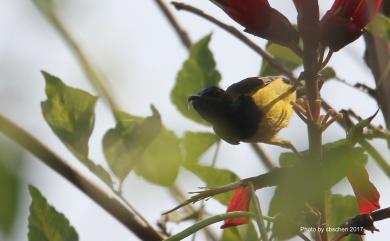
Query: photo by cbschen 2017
[[217, 120]]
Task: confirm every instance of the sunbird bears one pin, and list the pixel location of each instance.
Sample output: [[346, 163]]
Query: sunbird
[[252, 110]]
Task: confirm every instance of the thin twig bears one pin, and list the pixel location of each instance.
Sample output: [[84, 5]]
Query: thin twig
[[362, 222], [202, 206], [130, 206], [204, 223], [326, 61], [271, 178], [265, 159], [90, 72], [269, 58], [302, 236], [183, 35], [88, 187], [359, 86], [259, 214]]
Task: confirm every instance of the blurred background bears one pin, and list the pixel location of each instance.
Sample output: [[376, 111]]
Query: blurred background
[[132, 43]]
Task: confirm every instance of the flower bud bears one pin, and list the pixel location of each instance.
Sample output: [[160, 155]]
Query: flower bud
[[346, 20], [260, 19], [240, 202]]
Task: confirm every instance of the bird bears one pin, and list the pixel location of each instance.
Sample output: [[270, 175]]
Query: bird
[[252, 110]]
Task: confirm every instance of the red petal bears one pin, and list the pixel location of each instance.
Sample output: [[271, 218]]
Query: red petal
[[240, 202], [366, 193], [252, 14], [259, 19], [365, 12]]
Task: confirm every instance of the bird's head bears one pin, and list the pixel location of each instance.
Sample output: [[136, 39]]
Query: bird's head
[[212, 104]]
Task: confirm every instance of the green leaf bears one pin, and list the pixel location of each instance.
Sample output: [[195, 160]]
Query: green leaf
[[46, 223], [295, 191], [339, 210], [195, 144], [125, 144], [161, 160], [70, 113], [282, 54], [198, 72], [327, 74], [10, 161], [214, 177], [380, 27], [339, 157], [245, 232], [143, 145], [356, 132]]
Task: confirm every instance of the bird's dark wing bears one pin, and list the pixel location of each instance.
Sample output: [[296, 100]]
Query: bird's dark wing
[[249, 86]]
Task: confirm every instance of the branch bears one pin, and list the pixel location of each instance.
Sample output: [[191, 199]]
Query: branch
[[360, 87], [206, 222], [96, 80], [183, 35], [266, 160], [96, 193], [259, 214], [176, 192], [360, 223], [268, 57], [268, 179]]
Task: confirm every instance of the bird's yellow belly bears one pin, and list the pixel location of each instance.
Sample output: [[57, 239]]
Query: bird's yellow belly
[[273, 121], [275, 102]]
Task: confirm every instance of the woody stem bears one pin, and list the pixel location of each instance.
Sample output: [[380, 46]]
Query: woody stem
[[308, 23]]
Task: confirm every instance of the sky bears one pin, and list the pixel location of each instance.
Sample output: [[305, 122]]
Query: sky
[[132, 43]]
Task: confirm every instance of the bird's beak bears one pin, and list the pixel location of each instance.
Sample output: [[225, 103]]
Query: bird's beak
[[193, 98]]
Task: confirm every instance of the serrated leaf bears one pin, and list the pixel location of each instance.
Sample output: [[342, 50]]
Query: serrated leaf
[[356, 132], [327, 74], [195, 144], [380, 27], [124, 145], [214, 177], [339, 209], [10, 161], [161, 160], [70, 113], [46, 223], [282, 54], [198, 72]]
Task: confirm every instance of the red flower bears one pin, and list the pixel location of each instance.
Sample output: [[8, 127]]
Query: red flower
[[366, 194], [345, 21], [240, 202], [260, 19]]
